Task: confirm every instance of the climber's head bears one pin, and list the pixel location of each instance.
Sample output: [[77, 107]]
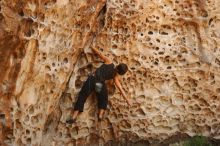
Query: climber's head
[[121, 69]]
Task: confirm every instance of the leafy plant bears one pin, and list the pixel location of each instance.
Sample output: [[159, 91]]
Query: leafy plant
[[197, 141]]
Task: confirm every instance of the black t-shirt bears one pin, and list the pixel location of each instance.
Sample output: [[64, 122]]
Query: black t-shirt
[[105, 72]]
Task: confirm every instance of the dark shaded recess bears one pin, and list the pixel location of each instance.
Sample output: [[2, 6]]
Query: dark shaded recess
[[103, 10], [48, 123], [128, 143], [52, 121], [2, 116], [12, 51], [1, 17], [210, 21], [150, 32], [214, 142], [217, 61], [21, 13], [16, 5], [4, 131], [102, 16], [10, 46], [28, 30], [204, 13], [179, 137], [164, 33]]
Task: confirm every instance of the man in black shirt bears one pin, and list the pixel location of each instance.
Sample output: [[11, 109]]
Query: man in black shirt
[[96, 82]]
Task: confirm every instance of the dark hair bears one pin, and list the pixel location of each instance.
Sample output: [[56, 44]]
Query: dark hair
[[121, 68]]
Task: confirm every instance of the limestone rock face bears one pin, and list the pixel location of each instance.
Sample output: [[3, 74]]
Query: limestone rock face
[[172, 48]]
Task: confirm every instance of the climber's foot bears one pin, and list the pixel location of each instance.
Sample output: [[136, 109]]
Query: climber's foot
[[70, 121]]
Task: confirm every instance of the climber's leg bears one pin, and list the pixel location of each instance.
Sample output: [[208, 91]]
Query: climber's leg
[[85, 91], [102, 97]]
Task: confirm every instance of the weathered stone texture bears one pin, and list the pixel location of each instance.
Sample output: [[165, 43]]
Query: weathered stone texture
[[172, 48]]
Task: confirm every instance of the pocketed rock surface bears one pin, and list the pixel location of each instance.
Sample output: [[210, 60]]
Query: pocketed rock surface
[[172, 48]]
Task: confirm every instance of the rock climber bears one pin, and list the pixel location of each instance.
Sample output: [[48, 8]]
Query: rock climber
[[96, 82]]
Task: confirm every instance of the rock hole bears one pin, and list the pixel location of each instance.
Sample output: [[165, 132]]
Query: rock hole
[[21, 13], [53, 64], [26, 118], [164, 33], [169, 67], [195, 108], [47, 67], [18, 125], [31, 110], [150, 32], [217, 61], [218, 90], [19, 142], [44, 58], [27, 132], [29, 141], [29, 33], [60, 134], [125, 30], [146, 20], [212, 76], [34, 134], [161, 53], [140, 112], [78, 83], [204, 13], [2, 116], [203, 102], [102, 17], [132, 68], [143, 57], [210, 21], [179, 56], [125, 124], [1, 17], [65, 60], [87, 27], [114, 46], [34, 120]]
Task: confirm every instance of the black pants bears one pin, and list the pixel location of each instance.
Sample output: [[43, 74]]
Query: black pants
[[87, 88]]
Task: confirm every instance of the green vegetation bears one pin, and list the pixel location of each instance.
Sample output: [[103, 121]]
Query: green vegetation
[[197, 141]]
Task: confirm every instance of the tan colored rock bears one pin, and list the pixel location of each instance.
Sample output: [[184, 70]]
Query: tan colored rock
[[170, 46]]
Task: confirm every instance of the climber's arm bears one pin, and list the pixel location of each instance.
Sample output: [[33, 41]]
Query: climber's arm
[[103, 57], [118, 84]]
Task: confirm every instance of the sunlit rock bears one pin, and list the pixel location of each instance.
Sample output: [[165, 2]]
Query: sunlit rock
[[171, 48]]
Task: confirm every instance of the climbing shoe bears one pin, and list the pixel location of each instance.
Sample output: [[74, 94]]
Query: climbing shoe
[[70, 121]]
